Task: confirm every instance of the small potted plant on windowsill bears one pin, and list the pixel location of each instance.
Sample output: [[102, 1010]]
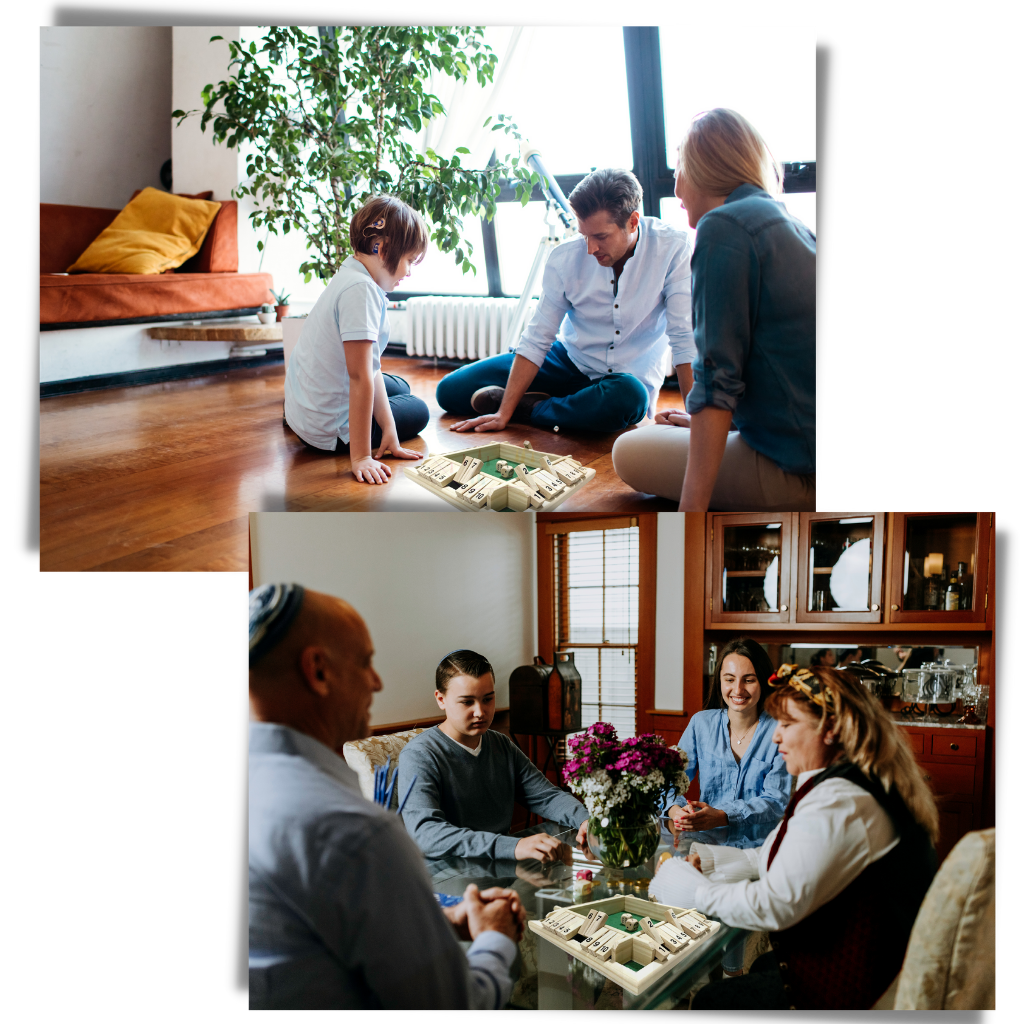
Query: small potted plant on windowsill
[[266, 314], [282, 306]]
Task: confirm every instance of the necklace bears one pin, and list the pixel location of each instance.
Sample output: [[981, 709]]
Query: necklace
[[739, 741]]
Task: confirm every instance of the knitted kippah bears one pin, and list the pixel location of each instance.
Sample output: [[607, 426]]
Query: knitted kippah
[[272, 609]]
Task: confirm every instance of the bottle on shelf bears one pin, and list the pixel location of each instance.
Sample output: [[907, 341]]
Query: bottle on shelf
[[933, 591], [965, 586], [952, 603]]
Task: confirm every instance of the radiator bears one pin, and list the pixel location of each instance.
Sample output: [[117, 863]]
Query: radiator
[[460, 328]]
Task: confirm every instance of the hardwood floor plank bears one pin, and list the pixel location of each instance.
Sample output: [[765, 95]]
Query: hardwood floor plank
[[161, 477]]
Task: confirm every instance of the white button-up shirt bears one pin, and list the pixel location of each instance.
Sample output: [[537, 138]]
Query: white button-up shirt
[[625, 333], [836, 831]]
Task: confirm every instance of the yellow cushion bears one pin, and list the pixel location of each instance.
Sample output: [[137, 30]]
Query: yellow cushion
[[155, 232]]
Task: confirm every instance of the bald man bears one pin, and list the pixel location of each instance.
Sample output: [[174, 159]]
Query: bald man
[[341, 912]]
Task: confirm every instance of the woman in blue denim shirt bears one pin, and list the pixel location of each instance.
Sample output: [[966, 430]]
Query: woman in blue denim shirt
[[746, 440], [742, 776]]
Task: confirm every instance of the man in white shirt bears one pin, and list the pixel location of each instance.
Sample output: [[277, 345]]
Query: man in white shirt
[[615, 299]]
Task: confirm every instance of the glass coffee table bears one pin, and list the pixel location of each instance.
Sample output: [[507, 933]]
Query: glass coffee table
[[549, 978]]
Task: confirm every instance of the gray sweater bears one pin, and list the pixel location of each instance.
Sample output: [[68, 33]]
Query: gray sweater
[[462, 804]]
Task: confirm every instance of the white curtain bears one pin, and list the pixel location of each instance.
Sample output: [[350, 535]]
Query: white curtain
[[468, 105]]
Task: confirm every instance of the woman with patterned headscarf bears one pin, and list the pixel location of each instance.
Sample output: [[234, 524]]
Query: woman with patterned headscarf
[[839, 882]]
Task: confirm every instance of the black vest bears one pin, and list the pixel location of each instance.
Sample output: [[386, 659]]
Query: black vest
[[847, 953]]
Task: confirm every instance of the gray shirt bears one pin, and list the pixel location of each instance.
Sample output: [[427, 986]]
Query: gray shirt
[[462, 804], [341, 912]]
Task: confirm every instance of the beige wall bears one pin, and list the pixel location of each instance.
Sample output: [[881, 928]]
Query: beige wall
[[426, 584], [105, 112]]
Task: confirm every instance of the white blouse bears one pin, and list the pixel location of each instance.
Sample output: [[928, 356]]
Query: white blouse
[[836, 831]]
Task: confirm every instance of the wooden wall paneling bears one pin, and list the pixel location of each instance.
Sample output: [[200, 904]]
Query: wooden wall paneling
[[988, 676], [647, 618]]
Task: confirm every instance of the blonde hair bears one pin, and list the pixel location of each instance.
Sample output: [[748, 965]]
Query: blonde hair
[[866, 737], [723, 150]]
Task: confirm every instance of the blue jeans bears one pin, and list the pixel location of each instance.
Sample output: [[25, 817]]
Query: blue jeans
[[612, 402]]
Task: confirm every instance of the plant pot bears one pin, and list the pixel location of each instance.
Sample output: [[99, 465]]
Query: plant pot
[[626, 845], [267, 318], [282, 311]]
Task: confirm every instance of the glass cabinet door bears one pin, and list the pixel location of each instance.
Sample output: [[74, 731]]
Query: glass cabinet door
[[839, 575], [749, 569], [938, 568]]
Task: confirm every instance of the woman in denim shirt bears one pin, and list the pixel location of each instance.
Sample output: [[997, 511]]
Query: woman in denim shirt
[[746, 440], [742, 775]]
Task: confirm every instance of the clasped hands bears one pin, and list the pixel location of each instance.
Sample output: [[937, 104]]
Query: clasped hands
[[696, 816], [493, 910]]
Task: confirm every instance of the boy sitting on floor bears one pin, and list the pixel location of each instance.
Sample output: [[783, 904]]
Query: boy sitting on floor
[[467, 778]]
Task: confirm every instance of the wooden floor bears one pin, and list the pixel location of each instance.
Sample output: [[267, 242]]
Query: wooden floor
[[163, 476]]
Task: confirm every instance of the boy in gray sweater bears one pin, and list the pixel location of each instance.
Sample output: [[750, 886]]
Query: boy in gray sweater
[[468, 778]]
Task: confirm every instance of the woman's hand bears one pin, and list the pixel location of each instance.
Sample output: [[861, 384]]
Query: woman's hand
[[368, 471], [581, 836], [673, 417], [699, 816], [389, 446]]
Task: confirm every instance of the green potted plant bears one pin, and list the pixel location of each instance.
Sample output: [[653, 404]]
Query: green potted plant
[[281, 298], [327, 120]]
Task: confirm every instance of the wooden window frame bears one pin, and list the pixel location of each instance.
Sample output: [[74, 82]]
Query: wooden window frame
[[646, 597]]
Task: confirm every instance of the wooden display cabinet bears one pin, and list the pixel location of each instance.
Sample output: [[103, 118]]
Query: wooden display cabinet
[[920, 544], [840, 565], [748, 573], [953, 762]]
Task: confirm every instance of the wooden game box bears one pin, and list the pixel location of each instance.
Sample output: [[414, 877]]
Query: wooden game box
[[499, 499], [633, 975]]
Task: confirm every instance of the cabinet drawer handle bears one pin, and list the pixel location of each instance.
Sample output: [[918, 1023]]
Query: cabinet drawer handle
[[783, 607], [954, 746]]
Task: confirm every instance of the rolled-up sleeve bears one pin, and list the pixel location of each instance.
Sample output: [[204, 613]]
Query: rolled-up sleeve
[[678, 311], [726, 282], [688, 745], [540, 332]]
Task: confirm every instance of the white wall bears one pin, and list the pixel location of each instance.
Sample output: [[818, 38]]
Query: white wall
[[426, 584], [668, 660], [201, 164], [105, 105]]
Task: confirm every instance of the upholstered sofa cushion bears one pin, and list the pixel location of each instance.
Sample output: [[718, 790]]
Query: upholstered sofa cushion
[[155, 232], [362, 756], [66, 231], [951, 956], [83, 298]]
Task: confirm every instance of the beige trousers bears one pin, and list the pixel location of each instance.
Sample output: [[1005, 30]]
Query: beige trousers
[[653, 460]]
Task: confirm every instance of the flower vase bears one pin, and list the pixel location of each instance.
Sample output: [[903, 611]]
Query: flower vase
[[623, 844]]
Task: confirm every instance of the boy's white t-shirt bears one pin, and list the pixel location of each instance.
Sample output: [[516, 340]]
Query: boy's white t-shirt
[[316, 385]]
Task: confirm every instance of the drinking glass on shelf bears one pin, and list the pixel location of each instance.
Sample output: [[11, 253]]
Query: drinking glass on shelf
[[982, 708], [819, 600]]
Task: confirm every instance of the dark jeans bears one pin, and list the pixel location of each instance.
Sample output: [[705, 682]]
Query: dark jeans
[[761, 989], [612, 402], [411, 416]]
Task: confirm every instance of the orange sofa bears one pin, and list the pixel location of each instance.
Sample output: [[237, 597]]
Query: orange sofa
[[207, 285]]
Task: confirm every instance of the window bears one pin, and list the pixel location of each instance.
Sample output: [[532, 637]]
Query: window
[[802, 205], [771, 82], [597, 602], [438, 274], [597, 593]]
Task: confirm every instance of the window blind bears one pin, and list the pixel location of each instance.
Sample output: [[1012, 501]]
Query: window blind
[[597, 596]]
